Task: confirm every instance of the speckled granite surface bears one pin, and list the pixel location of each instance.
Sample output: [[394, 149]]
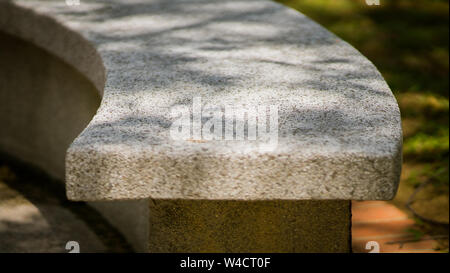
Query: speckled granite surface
[[339, 131]]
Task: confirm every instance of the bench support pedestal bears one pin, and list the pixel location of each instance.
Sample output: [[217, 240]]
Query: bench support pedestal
[[249, 226]]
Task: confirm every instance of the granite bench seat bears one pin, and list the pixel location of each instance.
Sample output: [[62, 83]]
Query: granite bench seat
[[338, 131]]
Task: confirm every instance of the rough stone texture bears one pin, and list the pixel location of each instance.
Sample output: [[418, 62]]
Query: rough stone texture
[[249, 226], [339, 124]]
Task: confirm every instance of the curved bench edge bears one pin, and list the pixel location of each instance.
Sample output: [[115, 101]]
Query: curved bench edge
[[59, 39]]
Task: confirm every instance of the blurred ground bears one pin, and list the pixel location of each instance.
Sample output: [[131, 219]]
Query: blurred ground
[[407, 40], [390, 228], [35, 215]]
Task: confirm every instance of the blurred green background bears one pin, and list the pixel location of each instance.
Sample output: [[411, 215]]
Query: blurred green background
[[407, 40]]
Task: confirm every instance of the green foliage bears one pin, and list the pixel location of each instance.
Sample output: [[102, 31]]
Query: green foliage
[[417, 234]]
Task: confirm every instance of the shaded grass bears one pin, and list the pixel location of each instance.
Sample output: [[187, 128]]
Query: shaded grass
[[407, 40]]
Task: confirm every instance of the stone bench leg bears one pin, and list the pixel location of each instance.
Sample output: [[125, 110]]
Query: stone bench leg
[[249, 226]]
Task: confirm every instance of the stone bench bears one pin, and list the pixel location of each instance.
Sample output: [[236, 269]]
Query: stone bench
[[165, 71]]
